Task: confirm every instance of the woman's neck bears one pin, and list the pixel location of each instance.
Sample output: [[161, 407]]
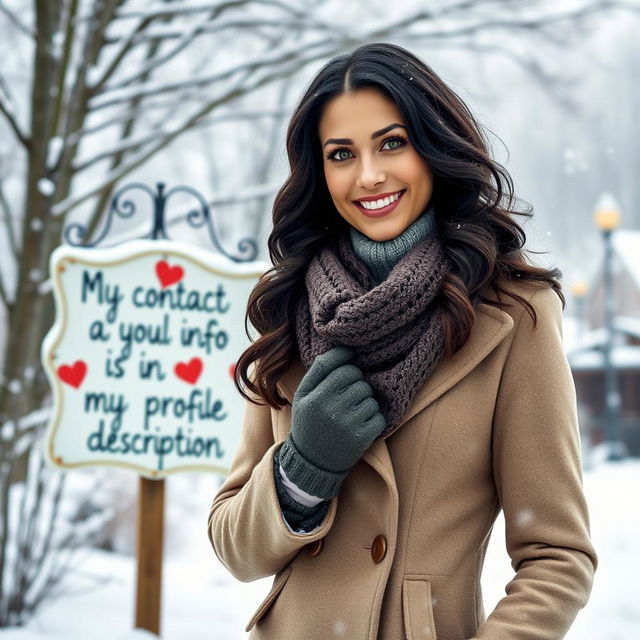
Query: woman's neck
[[381, 257]]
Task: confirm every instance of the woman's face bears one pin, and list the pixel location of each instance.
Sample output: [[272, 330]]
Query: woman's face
[[367, 158]]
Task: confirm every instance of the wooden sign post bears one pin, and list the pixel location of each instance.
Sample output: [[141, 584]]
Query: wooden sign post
[[141, 361], [150, 535]]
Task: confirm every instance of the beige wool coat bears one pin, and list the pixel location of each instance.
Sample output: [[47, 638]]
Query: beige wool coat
[[400, 552]]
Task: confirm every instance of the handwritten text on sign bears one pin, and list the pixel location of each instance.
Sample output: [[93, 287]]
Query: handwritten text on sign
[[142, 356]]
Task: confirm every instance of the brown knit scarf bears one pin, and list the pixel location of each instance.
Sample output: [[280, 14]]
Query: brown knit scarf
[[395, 328]]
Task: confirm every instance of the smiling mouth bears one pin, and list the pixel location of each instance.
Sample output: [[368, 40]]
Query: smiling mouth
[[377, 208]]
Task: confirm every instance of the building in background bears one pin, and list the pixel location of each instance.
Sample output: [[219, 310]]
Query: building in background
[[587, 338]]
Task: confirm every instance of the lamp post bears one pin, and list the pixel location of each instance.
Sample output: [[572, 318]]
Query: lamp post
[[579, 291], [607, 219]]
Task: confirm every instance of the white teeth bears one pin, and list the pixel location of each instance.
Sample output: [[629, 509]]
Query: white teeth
[[378, 204]]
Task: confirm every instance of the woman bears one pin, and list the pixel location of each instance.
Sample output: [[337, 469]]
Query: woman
[[409, 382]]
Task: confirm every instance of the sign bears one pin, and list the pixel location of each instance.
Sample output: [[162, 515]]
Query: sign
[[142, 354]]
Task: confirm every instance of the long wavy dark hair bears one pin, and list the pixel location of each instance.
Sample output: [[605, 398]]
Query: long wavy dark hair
[[473, 200]]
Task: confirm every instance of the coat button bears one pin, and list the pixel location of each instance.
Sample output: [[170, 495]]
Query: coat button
[[314, 548], [379, 548]]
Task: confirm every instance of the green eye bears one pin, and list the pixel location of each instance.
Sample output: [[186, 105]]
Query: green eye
[[396, 141]]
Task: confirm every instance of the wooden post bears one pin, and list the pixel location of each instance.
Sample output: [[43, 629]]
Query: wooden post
[[149, 540]]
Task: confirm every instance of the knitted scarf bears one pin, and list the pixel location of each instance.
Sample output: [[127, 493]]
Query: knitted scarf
[[395, 327]]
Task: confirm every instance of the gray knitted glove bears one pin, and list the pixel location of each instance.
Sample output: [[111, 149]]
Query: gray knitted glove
[[335, 418]]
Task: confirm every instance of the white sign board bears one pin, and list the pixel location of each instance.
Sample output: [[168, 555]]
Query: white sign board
[[142, 354]]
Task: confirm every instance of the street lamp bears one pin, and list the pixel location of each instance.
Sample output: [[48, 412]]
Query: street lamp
[[607, 218], [579, 291]]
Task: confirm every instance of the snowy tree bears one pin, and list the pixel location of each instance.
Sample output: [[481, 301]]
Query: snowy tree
[[90, 91]]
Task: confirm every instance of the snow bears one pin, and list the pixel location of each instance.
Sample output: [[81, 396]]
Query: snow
[[622, 357], [7, 102], [14, 386], [7, 430], [575, 161], [46, 187], [626, 243], [628, 325], [94, 75], [56, 145], [201, 601], [584, 349], [57, 42]]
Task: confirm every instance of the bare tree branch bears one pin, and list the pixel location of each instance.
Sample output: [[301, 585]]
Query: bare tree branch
[[63, 65], [167, 11], [188, 36], [127, 144], [125, 132], [133, 144], [8, 221], [131, 114], [76, 107], [284, 55], [293, 64], [561, 91], [3, 295], [186, 39], [399, 28], [23, 28], [210, 24], [127, 45], [7, 112], [172, 33], [528, 24], [147, 18]]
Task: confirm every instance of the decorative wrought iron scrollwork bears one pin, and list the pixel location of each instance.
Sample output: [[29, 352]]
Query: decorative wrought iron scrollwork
[[196, 218]]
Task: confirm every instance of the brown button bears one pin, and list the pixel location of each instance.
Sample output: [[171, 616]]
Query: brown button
[[379, 548], [314, 548]]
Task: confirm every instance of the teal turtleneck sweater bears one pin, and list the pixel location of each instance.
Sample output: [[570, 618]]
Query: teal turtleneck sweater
[[302, 511], [381, 257]]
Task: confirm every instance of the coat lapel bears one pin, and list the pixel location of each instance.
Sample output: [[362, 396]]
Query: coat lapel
[[491, 326]]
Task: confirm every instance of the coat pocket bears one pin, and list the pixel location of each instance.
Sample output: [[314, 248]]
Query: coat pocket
[[276, 588], [417, 609]]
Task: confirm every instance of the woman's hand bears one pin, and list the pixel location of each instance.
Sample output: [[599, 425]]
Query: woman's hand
[[335, 418]]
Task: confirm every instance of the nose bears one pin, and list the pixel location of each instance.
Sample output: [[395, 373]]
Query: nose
[[370, 175]]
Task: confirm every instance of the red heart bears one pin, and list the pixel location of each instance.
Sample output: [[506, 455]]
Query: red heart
[[74, 374], [232, 370], [189, 371], [168, 275]]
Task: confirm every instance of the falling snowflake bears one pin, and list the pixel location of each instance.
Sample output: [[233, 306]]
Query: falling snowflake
[[339, 627], [574, 161], [57, 42], [56, 145], [7, 430], [524, 517], [46, 187]]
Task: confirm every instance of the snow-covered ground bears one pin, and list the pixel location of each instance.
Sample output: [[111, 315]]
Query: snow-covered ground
[[201, 601]]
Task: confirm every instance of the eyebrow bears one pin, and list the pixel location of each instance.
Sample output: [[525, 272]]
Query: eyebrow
[[374, 135]]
